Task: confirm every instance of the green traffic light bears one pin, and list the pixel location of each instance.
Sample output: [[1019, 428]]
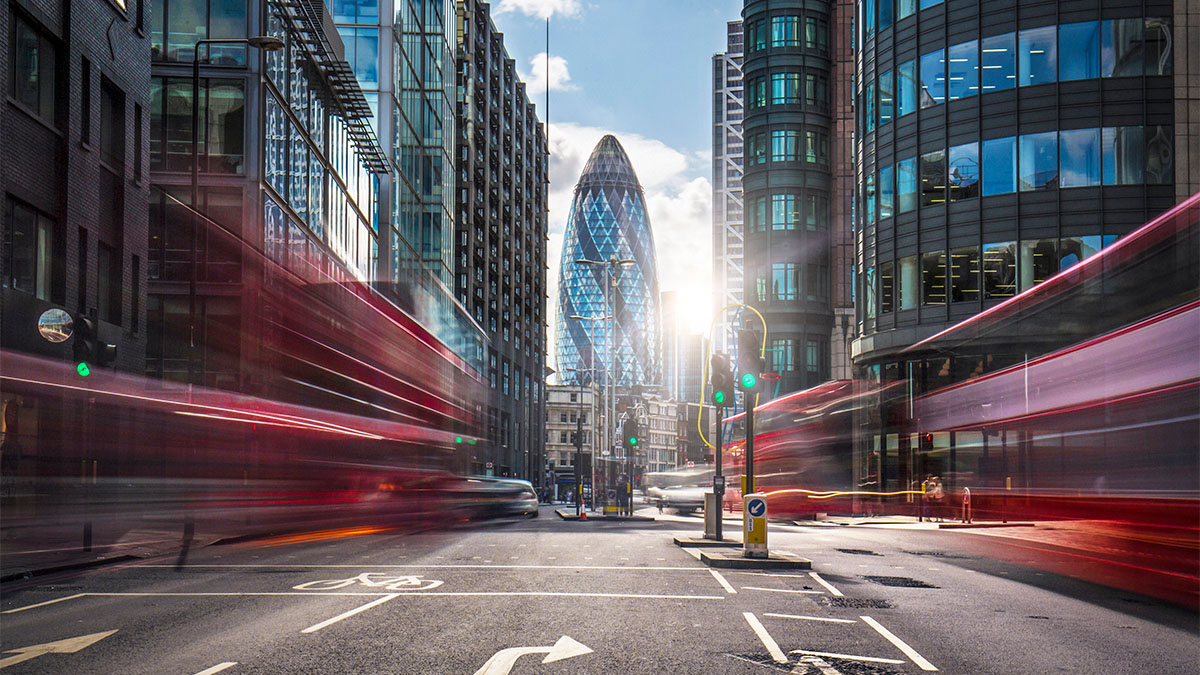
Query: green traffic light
[[458, 439], [719, 397], [83, 369], [748, 380], [633, 440]]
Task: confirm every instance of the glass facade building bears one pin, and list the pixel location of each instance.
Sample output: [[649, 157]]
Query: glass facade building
[[608, 220], [998, 144]]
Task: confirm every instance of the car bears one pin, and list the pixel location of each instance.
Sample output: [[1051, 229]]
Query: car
[[683, 499]]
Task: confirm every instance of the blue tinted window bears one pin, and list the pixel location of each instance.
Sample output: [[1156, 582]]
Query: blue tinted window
[[785, 31], [906, 184], [870, 197], [869, 107], [887, 193], [1080, 43], [926, 4], [885, 13], [906, 88], [1122, 155], [1079, 157], [964, 171], [933, 178], [905, 8], [1038, 161], [869, 17], [1000, 166], [998, 62], [1121, 52], [933, 78], [963, 70], [887, 98], [1037, 51]]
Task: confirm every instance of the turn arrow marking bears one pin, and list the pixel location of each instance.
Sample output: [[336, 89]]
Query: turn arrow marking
[[503, 661], [68, 646]]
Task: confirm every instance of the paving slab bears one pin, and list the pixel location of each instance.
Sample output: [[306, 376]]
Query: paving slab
[[732, 559]]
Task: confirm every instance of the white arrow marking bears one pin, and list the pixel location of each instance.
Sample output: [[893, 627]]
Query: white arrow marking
[[502, 661], [68, 646]]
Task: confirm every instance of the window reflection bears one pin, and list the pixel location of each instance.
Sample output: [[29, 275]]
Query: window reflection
[[785, 88], [906, 88], [887, 98], [785, 31], [906, 184], [905, 8], [1160, 153], [870, 191], [964, 273], [784, 215], [964, 171], [1000, 166], [999, 270], [869, 105], [816, 212], [1038, 261], [963, 70], [887, 285], [933, 78], [1038, 50], [870, 297], [785, 281], [1157, 41], [887, 195], [1074, 249], [907, 287], [1038, 165], [933, 178], [885, 13], [1083, 41], [1122, 155], [933, 278], [1079, 157], [1122, 51], [998, 62]]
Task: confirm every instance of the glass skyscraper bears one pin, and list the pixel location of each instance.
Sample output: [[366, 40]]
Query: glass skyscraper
[[608, 221]]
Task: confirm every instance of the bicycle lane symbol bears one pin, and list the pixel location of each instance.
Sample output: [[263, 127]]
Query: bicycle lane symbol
[[383, 580]]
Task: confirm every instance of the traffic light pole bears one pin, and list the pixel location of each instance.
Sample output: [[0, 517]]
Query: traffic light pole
[[749, 444], [718, 476]]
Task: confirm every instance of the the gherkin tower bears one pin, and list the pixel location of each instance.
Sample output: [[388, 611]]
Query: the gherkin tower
[[608, 221]]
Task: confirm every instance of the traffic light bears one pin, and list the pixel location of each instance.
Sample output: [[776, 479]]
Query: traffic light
[[750, 362], [630, 433], [722, 381], [88, 349]]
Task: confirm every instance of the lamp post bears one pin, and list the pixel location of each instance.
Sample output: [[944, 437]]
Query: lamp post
[[579, 443], [612, 264], [266, 43], [592, 369]]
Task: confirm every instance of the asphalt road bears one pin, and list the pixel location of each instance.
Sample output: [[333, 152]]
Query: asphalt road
[[588, 597]]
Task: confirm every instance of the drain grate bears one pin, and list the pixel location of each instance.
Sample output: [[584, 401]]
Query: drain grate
[[854, 603], [899, 582], [940, 554], [858, 551]]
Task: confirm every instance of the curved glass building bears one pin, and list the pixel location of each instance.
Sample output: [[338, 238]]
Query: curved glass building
[[608, 220], [998, 144]]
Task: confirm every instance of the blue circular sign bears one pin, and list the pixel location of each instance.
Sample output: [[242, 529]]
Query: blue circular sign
[[756, 507]]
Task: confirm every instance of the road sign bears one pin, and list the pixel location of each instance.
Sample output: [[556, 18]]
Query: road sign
[[501, 662], [754, 526], [756, 507], [68, 646]]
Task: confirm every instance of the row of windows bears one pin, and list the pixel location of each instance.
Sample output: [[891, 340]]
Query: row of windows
[[1064, 159], [786, 31], [788, 211], [780, 282], [1091, 49], [788, 88], [886, 11], [961, 274], [787, 145], [784, 355]]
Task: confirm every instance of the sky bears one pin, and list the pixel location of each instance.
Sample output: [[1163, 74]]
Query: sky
[[642, 71]]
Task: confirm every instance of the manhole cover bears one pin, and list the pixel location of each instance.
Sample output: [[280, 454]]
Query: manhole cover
[[899, 582], [854, 603], [858, 551]]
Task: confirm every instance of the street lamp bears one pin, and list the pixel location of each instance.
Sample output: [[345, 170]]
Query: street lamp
[[579, 443], [593, 370], [266, 43], [612, 264]]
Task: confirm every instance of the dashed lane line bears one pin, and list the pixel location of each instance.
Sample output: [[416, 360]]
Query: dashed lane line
[[900, 644], [765, 637], [639, 568], [721, 580], [346, 615], [849, 657], [217, 668], [833, 591], [809, 618], [778, 590]]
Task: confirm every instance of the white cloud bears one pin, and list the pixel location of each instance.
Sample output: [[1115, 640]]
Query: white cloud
[[542, 9], [557, 76], [679, 202]]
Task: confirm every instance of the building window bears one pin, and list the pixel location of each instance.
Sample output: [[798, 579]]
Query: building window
[[785, 145], [1072, 250], [887, 98], [812, 360], [756, 92], [179, 24], [1038, 161], [785, 88], [34, 61], [785, 281], [562, 417], [1000, 166], [785, 31], [963, 176], [906, 184], [816, 283], [1123, 155], [999, 270], [1039, 261], [816, 34], [887, 288], [869, 105], [1083, 41], [964, 274], [933, 78], [782, 356], [757, 153], [870, 293], [933, 278], [816, 90], [906, 88], [816, 147], [1079, 157], [85, 100], [362, 53], [887, 193], [108, 275], [784, 214], [816, 215], [222, 125], [963, 70], [112, 124], [562, 437], [908, 286], [998, 62], [870, 197], [933, 178], [1037, 49], [29, 250]]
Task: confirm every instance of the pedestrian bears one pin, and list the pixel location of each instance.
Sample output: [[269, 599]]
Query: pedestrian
[[935, 496]]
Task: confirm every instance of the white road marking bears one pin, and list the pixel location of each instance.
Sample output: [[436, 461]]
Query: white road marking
[[818, 663], [501, 662], [817, 578], [849, 657], [809, 618], [565, 594], [450, 566], [345, 615], [721, 580], [217, 668], [42, 604], [767, 640], [67, 646], [777, 590], [908, 651], [769, 574]]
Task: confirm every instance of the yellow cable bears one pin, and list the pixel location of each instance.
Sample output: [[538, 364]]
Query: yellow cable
[[708, 355]]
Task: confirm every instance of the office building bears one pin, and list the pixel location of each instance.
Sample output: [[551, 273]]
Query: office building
[[728, 240]]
